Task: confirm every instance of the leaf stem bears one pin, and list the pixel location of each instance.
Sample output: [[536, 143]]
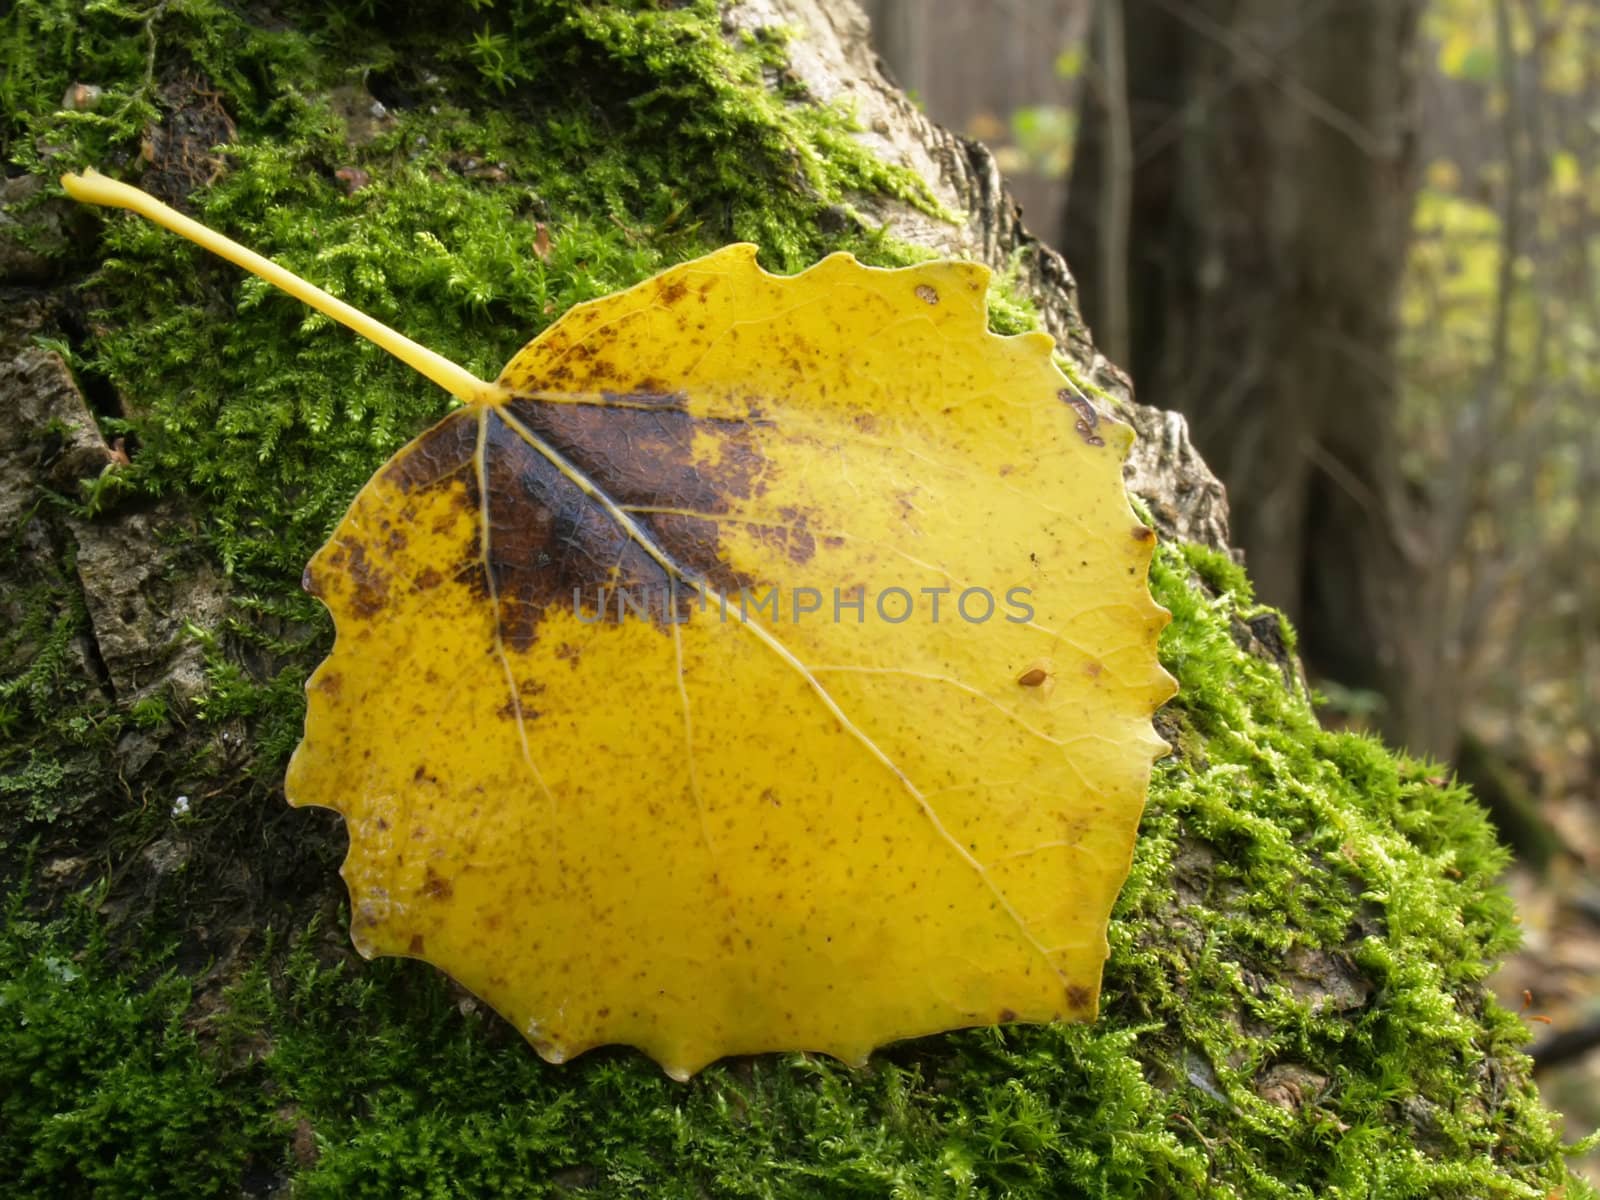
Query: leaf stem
[[94, 188]]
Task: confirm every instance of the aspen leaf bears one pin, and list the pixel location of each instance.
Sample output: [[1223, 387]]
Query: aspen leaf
[[759, 663]]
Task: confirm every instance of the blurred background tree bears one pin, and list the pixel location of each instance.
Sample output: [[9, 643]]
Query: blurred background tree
[[1240, 199], [1357, 243]]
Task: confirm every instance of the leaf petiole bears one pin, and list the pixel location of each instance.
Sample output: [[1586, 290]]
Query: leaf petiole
[[94, 188]]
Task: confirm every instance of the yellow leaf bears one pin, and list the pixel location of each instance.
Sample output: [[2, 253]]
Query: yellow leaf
[[759, 664]]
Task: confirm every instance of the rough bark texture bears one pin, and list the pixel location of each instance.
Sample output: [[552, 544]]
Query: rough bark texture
[[1293, 1002]]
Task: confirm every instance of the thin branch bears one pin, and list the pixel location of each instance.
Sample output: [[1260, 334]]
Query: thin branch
[[1116, 197]]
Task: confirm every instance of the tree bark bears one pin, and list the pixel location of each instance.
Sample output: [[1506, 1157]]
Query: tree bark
[[1273, 179]]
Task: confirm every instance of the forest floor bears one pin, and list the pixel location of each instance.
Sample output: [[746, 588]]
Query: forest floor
[[1555, 977]]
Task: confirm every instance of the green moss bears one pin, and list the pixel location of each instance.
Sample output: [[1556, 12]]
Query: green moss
[[1287, 844], [1011, 310], [1219, 573], [104, 1090], [54, 726], [637, 137]]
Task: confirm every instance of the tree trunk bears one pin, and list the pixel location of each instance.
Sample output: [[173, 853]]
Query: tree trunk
[[1300, 950], [1272, 178]]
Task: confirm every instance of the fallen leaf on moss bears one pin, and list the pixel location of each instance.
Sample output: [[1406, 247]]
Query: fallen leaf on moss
[[759, 664]]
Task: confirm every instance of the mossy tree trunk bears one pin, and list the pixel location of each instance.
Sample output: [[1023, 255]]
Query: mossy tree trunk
[[1294, 1003]]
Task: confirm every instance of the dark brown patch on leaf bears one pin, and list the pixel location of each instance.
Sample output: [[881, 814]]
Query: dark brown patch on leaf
[[1143, 533], [643, 455], [1033, 677], [437, 886], [441, 454], [1078, 996], [692, 539], [1088, 420], [548, 541], [371, 584], [551, 544], [802, 546], [775, 537]]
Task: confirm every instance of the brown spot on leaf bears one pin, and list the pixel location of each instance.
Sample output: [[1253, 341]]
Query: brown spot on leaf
[[1033, 677], [927, 294], [515, 710], [1143, 533], [1088, 419], [1078, 996], [802, 546], [415, 946], [437, 886], [371, 585]]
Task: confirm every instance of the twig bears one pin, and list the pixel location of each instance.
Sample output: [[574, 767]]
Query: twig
[[1116, 196]]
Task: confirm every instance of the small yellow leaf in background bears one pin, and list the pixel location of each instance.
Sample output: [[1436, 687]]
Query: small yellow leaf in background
[[640, 714], [759, 664]]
